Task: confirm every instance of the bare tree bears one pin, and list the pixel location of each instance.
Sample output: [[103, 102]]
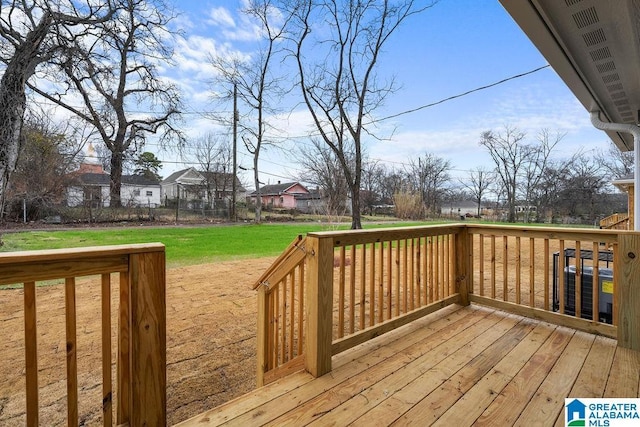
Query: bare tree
[[510, 154], [618, 163], [520, 166], [536, 166], [213, 154], [115, 73], [392, 182], [32, 34], [337, 73], [429, 176], [551, 188], [256, 83], [478, 184], [583, 187], [373, 173], [323, 169], [48, 155]]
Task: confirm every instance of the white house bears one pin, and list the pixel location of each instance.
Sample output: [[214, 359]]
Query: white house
[[90, 187]]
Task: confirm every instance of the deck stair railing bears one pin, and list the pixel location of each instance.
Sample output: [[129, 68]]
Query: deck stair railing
[[617, 221], [140, 386], [379, 280], [281, 314]]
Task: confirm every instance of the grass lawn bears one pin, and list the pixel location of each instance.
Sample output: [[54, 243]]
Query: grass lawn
[[185, 245]]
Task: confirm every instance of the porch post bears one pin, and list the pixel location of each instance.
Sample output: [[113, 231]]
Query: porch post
[[627, 293], [318, 335], [463, 264], [148, 339]]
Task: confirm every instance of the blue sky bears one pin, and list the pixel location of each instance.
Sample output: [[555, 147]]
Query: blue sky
[[454, 47]]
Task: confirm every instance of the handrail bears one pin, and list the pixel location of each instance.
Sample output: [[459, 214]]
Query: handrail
[[614, 221], [141, 356], [296, 247]]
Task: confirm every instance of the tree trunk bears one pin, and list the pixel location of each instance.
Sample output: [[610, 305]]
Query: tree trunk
[[13, 100], [116, 180], [512, 209], [356, 221], [12, 106], [256, 181]]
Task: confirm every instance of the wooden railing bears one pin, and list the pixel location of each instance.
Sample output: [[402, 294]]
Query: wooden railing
[[617, 221], [548, 272], [363, 283], [378, 281], [140, 393]]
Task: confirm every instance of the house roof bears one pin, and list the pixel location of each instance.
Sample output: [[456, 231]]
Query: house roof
[[177, 175], [311, 195], [213, 176], [594, 47], [278, 189]]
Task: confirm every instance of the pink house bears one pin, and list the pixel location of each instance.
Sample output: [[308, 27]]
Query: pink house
[[280, 195]]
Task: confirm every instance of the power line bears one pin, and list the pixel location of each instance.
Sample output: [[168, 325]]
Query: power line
[[460, 95]]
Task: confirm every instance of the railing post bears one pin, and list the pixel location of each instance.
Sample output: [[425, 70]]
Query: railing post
[[319, 305], [148, 356], [463, 264], [263, 327], [628, 292]]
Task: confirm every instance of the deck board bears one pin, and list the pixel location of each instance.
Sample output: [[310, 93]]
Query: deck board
[[624, 378], [547, 403], [459, 366], [375, 392], [475, 401]]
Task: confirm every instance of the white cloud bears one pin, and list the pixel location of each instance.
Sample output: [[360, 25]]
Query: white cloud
[[220, 16]]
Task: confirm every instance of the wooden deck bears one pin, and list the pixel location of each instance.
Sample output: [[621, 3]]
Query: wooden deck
[[458, 366]]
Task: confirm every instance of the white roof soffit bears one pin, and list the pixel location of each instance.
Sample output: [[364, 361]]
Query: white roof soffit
[[594, 47]]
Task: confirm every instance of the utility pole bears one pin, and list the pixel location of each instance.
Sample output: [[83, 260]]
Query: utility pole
[[235, 153]]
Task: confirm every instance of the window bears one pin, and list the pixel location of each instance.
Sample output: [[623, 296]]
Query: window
[[149, 193], [136, 192]]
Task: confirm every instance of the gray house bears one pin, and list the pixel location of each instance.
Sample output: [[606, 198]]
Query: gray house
[[201, 188]]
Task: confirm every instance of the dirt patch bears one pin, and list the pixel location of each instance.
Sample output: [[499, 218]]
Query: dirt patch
[[211, 343]]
